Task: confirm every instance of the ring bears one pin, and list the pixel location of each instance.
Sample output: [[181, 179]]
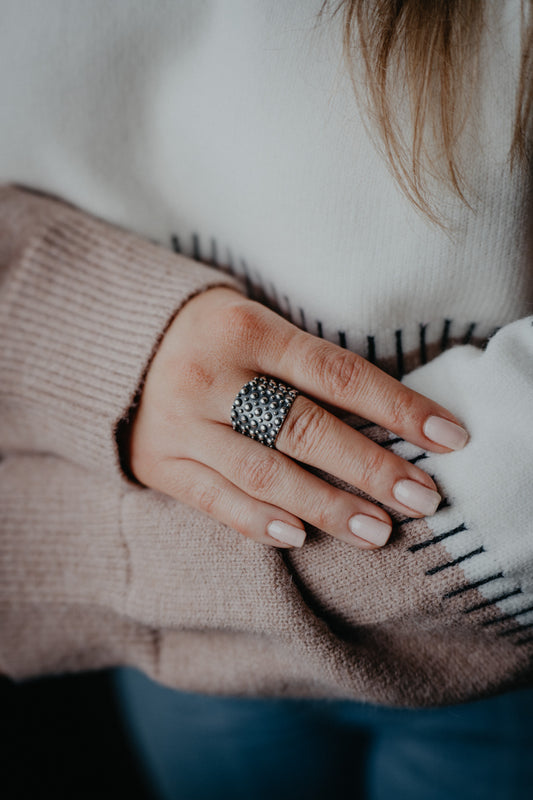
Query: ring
[[261, 407]]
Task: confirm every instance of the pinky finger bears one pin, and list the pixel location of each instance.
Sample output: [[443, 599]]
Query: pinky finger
[[203, 488]]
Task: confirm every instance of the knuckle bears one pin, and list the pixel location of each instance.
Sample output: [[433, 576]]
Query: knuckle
[[180, 483], [400, 408], [261, 472], [370, 466], [194, 377], [241, 322], [303, 429], [205, 496], [325, 517], [253, 331], [172, 479], [339, 373], [242, 520], [185, 378]]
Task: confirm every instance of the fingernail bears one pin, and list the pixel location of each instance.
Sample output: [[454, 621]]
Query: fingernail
[[417, 497], [288, 534], [443, 431], [369, 528]]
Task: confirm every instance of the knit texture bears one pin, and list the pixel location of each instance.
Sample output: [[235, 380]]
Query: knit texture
[[84, 306], [97, 571], [233, 132]]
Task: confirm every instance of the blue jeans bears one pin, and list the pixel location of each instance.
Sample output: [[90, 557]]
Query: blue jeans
[[198, 748]]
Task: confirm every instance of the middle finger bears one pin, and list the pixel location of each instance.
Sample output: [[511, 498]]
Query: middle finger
[[320, 439]]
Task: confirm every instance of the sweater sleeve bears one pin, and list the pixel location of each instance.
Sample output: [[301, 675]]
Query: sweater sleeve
[[83, 306], [95, 574]]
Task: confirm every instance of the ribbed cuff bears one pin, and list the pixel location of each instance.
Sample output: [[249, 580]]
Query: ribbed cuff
[[83, 307]]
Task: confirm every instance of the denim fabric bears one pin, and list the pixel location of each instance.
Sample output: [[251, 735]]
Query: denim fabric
[[195, 747]]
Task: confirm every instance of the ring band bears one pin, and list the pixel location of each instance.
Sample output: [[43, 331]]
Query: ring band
[[261, 407]]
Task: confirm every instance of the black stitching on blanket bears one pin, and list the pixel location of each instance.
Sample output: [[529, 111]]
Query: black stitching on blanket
[[416, 459], [288, 313], [469, 586], [371, 349], [436, 539], [469, 333], [445, 339], [527, 640], [488, 603], [196, 249], [399, 354], [423, 350], [214, 254], [516, 629], [466, 557]]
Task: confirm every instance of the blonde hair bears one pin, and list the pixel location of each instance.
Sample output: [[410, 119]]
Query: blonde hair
[[434, 45]]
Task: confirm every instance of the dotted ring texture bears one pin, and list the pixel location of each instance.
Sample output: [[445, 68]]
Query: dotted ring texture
[[260, 408]]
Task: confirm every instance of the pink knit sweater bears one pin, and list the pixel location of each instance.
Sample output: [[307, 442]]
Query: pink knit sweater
[[97, 571]]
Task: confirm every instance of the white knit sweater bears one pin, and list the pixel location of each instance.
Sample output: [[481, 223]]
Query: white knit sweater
[[232, 125]]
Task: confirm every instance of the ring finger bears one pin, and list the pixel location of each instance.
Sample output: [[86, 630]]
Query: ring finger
[[312, 435]]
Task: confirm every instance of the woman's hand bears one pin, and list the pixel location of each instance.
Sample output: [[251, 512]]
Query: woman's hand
[[182, 442]]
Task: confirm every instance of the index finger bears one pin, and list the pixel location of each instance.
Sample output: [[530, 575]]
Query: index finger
[[336, 376]]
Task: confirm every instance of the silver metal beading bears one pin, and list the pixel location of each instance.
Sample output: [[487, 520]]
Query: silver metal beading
[[260, 408]]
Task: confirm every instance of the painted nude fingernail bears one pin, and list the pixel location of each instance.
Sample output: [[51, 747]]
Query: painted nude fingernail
[[443, 431], [417, 497], [288, 534], [370, 529]]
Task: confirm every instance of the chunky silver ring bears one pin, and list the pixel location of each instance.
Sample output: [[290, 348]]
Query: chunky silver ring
[[261, 407]]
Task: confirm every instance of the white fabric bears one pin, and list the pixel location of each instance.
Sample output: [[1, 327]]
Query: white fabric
[[236, 119], [488, 484]]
